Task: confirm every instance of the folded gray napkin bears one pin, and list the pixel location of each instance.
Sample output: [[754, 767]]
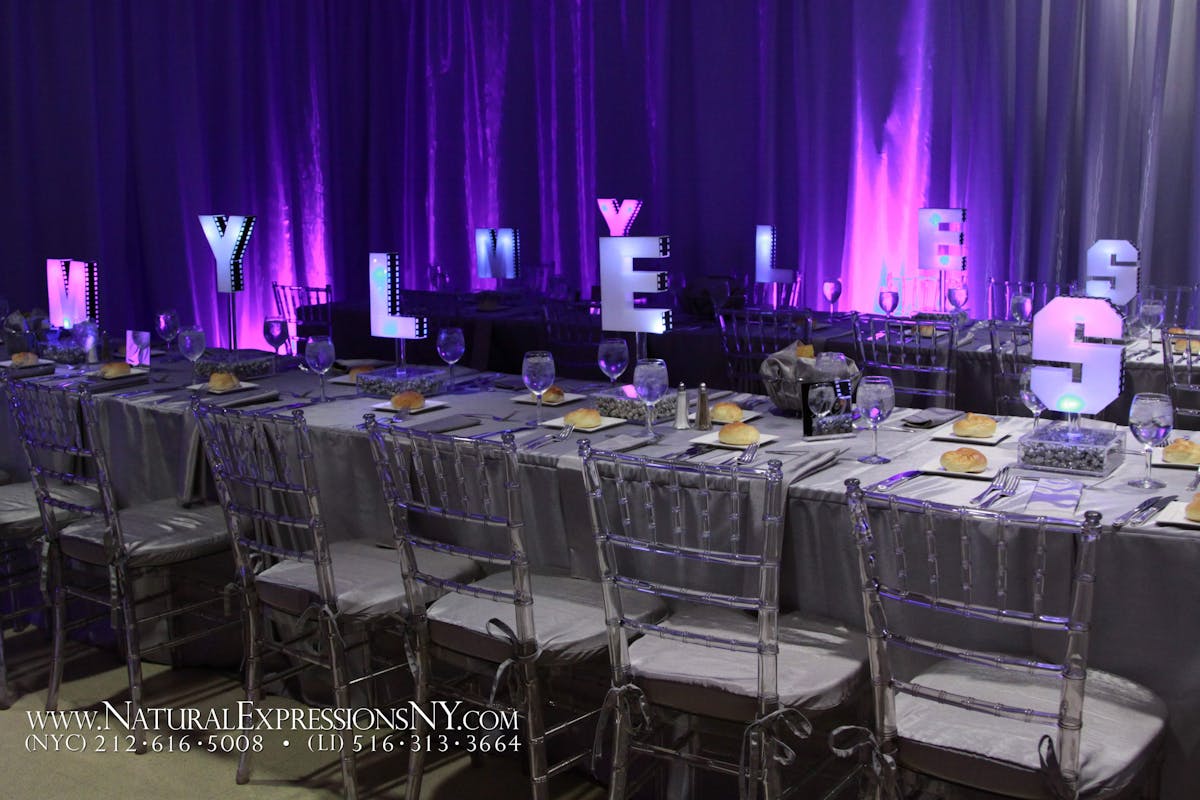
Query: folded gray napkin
[[1054, 497], [622, 443], [931, 417], [798, 467], [509, 382], [446, 424]]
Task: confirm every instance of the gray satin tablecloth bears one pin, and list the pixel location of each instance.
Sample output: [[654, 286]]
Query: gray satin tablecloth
[[1147, 615]]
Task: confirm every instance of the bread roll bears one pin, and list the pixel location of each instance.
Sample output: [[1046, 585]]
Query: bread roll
[[356, 371], [926, 330], [553, 395], [24, 359], [1182, 451], [114, 369], [1192, 511], [964, 459], [408, 401], [726, 412], [222, 381], [805, 351], [738, 433], [975, 426], [583, 418]]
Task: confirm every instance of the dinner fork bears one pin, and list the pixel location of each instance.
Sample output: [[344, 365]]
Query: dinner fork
[[744, 457], [994, 486], [1008, 488], [561, 436]]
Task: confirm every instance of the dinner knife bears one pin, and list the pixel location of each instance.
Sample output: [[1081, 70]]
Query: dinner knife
[[1141, 508], [894, 481], [1150, 512]]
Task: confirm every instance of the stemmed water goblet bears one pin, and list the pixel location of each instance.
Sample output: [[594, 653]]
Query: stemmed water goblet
[[832, 290], [876, 399], [537, 370], [275, 331], [613, 357], [833, 365], [451, 344], [1151, 418], [650, 383], [1029, 398], [191, 345], [319, 355], [889, 300], [956, 296], [166, 325], [1021, 306]]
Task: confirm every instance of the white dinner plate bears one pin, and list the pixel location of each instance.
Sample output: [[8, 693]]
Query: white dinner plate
[[605, 422], [1175, 516], [133, 372], [241, 387], [430, 405], [1156, 459], [996, 462], [1004, 430], [713, 438], [746, 417], [568, 397]]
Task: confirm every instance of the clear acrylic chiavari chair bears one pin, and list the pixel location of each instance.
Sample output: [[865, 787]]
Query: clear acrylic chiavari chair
[[917, 354], [104, 557], [573, 331], [308, 311], [507, 638], [1000, 294], [979, 625], [749, 336], [1179, 308], [321, 604], [706, 539], [1012, 352], [1181, 354]]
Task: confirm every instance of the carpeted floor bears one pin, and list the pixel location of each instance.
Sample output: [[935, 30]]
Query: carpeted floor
[[35, 765]]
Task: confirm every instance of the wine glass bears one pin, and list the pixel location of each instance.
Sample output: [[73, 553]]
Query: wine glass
[[275, 331], [450, 346], [956, 296], [889, 299], [538, 372], [832, 290], [1029, 397], [650, 383], [876, 399], [1022, 308], [1152, 319], [1151, 418], [833, 365], [613, 356], [166, 325], [192, 344], [319, 355]]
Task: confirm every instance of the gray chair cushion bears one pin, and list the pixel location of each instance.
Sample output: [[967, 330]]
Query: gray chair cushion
[[1122, 722], [19, 515], [821, 664], [568, 618], [367, 578], [156, 534]]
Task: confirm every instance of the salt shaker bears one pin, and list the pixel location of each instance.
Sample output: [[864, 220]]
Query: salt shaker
[[681, 414], [703, 419]]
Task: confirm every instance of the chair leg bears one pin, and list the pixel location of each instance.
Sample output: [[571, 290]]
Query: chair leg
[[58, 625], [252, 623], [619, 775], [772, 785], [7, 697], [341, 695], [536, 728], [133, 656], [421, 661]]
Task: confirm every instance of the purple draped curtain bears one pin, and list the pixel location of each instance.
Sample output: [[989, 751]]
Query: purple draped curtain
[[356, 126]]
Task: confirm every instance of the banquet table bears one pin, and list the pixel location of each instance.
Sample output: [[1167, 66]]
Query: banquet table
[[1147, 616]]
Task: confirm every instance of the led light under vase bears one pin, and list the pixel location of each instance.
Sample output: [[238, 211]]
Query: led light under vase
[[1077, 354], [73, 288], [386, 320], [497, 253], [1113, 271]]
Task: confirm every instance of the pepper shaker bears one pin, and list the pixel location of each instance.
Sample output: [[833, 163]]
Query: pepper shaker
[[681, 409], [703, 419]]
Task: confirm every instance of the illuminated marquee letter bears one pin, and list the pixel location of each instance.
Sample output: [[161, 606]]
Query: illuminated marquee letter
[[228, 235], [386, 319], [1077, 349], [74, 290], [619, 281], [497, 252], [1112, 270], [940, 238], [765, 271], [619, 214]]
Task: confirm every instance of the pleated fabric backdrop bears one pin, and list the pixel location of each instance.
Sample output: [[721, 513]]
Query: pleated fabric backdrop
[[350, 126]]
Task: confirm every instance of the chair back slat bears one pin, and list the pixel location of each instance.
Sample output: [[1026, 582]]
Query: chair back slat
[[1181, 354], [1012, 352], [1042, 579], [750, 335], [917, 354], [573, 331], [307, 306], [1000, 294], [722, 549], [1179, 304], [265, 473]]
